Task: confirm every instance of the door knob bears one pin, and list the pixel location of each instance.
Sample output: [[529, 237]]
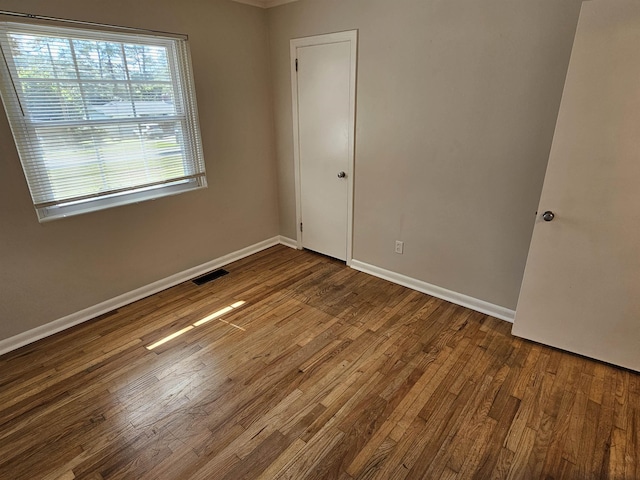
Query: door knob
[[342, 175], [548, 216]]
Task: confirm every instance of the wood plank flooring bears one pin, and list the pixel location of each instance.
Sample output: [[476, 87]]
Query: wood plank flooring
[[323, 373]]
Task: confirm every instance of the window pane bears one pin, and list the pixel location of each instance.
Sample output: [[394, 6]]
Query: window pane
[[153, 100], [99, 60], [42, 57], [47, 101], [107, 100], [146, 63]]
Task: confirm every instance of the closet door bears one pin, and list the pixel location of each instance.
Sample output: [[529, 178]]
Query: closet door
[[324, 87]]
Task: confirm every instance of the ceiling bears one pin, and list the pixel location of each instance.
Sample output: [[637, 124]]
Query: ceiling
[[265, 3]]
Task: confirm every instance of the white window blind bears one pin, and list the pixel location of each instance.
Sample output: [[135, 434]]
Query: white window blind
[[99, 118]]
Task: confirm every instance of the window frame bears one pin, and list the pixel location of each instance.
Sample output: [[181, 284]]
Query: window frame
[[26, 138]]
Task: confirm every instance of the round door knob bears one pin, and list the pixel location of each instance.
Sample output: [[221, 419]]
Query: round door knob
[[548, 216], [342, 175]]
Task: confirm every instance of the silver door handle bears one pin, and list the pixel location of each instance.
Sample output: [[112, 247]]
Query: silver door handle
[[342, 175]]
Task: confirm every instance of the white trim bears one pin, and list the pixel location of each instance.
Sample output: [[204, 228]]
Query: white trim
[[275, 3], [454, 297], [265, 3], [351, 37], [30, 336], [288, 242], [253, 3], [296, 140]]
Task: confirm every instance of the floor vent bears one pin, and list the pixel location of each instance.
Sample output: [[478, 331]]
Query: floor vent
[[209, 277]]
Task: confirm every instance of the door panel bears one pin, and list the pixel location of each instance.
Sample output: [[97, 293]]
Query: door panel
[[324, 86], [581, 288]]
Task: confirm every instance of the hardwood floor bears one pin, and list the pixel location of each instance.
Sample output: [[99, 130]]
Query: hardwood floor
[[323, 373]]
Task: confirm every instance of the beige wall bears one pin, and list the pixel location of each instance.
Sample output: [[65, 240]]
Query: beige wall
[[51, 270], [457, 102]]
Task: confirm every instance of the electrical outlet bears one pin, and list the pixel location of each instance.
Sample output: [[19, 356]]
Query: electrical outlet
[[399, 247]]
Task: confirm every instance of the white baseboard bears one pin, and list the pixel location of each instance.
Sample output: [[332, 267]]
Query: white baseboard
[[30, 336], [33, 335], [454, 297], [288, 242]]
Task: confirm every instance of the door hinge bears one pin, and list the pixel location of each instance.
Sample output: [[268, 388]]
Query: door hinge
[[296, 64], [300, 226]]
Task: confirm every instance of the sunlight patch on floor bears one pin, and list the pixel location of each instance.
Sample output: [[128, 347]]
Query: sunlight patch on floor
[[215, 315]]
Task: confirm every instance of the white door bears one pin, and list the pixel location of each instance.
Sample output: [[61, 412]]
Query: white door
[[325, 87], [581, 289]]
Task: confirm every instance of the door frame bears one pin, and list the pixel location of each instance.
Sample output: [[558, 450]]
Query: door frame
[[350, 36]]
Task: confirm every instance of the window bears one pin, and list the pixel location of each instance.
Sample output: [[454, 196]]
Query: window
[[99, 118]]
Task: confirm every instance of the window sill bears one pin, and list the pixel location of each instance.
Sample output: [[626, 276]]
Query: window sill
[[48, 214]]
